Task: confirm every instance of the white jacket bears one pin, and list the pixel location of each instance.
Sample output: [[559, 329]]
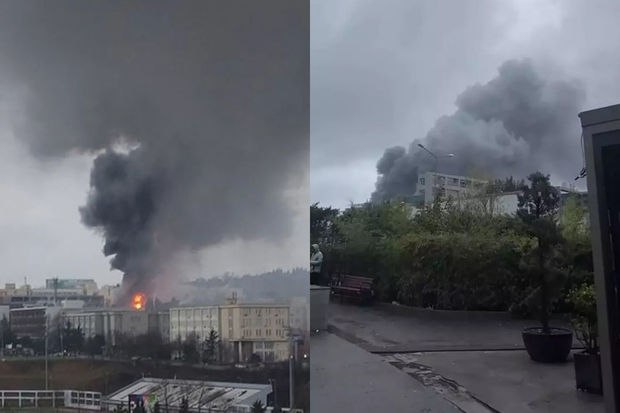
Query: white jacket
[[315, 262]]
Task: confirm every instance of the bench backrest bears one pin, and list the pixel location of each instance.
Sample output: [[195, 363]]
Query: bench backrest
[[356, 281]]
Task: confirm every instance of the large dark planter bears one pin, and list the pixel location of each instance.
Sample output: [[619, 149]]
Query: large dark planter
[[552, 347], [588, 372]]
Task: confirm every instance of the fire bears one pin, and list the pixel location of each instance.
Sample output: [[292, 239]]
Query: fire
[[138, 301]]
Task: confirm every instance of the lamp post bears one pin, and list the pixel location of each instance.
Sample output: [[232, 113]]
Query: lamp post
[[46, 334], [436, 157]]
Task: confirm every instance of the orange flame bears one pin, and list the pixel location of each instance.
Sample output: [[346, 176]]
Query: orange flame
[[138, 301]]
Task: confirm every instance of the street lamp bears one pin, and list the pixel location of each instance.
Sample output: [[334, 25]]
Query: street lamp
[[436, 157]]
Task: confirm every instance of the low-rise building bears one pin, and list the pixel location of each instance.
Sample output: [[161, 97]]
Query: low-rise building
[[200, 395]]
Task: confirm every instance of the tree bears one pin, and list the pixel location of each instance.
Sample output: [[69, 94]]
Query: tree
[[156, 408], [322, 223], [538, 207], [6, 335], [184, 408], [190, 348], [73, 338], [210, 353], [94, 345], [257, 407]]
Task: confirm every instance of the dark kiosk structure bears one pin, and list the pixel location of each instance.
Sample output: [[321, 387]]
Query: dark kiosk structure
[[601, 134]]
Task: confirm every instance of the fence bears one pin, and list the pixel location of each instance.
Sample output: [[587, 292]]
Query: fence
[[87, 400]]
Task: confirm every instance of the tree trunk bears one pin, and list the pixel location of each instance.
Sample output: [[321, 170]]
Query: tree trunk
[[544, 293]]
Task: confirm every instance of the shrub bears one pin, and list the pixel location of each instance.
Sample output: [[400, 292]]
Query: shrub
[[584, 317]]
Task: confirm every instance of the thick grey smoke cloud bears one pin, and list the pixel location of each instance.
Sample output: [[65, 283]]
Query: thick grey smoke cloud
[[210, 99], [521, 121]]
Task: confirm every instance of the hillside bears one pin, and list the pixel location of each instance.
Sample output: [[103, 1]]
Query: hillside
[[276, 285]]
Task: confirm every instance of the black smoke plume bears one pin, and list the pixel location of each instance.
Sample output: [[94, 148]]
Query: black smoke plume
[[197, 112], [521, 121]]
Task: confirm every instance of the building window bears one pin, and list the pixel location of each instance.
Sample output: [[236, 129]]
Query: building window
[[454, 181], [463, 183], [421, 181]]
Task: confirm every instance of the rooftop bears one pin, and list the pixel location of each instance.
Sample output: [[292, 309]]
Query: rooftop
[[216, 396]]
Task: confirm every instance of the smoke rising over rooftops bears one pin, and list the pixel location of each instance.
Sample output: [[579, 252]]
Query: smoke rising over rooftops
[[521, 121], [211, 99]]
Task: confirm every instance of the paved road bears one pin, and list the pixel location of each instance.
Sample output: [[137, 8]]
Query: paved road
[[346, 378], [434, 350]]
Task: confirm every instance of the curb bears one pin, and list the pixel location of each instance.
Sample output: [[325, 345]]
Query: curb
[[351, 338]]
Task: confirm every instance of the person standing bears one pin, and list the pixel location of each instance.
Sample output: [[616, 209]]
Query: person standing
[[316, 262]]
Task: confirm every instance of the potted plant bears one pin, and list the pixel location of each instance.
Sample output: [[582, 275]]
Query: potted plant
[[588, 361], [538, 206]]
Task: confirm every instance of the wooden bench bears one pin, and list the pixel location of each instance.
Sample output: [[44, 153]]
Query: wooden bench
[[353, 287]]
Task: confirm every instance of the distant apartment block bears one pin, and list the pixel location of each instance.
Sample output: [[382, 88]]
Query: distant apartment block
[[28, 296], [87, 286]]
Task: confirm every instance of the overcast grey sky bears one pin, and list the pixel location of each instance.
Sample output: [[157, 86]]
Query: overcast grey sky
[[179, 129], [382, 73]]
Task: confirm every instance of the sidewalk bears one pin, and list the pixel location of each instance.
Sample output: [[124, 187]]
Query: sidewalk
[[388, 328], [458, 355], [346, 378]]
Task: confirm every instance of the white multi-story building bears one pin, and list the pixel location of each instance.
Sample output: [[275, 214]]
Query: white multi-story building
[[109, 323], [299, 314], [198, 321], [261, 329], [506, 203], [244, 329], [433, 184], [159, 323]]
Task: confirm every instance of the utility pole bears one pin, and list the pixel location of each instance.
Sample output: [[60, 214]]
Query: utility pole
[[274, 391], [291, 381], [46, 331], [55, 281], [293, 346]]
